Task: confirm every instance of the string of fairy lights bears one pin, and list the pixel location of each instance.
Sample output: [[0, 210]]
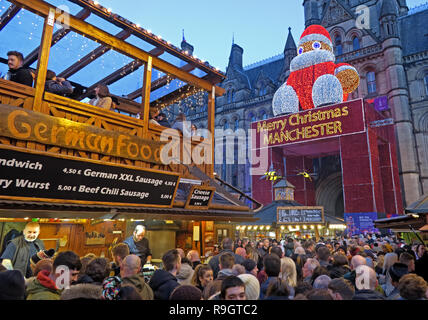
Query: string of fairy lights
[[188, 98]]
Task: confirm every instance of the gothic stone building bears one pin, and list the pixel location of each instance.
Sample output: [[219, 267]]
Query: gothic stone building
[[390, 53]]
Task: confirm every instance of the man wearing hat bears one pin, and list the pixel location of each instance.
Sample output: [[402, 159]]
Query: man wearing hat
[[20, 250]]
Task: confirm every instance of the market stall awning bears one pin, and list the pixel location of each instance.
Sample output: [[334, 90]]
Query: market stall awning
[[419, 206], [415, 221]]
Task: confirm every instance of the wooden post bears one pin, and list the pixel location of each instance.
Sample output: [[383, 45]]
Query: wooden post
[[147, 82], [42, 64], [317, 234], [211, 128]]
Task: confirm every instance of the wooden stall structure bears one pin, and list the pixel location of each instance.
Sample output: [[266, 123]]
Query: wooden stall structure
[[70, 134]]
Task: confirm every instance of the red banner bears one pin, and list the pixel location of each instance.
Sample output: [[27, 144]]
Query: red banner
[[315, 124]]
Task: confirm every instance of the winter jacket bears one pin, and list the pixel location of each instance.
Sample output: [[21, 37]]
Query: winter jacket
[[185, 275], [421, 266], [42, 288], [214, 262], [60, 88], [338, 271], [164, 123], [289, 249], [105, 103], [367, 295], [142, 287], [162, 284], [83, 291], [20, 75], [265, 286]]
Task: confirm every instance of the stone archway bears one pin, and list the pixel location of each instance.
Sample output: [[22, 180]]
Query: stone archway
[[329, 194]]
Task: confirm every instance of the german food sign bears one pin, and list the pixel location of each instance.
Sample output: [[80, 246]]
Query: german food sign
[[315, 124], [22, 124], [35, 176], [298, 215]]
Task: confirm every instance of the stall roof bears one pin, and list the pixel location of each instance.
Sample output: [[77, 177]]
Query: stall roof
[[20, 209], [419, 206], [416, 221]]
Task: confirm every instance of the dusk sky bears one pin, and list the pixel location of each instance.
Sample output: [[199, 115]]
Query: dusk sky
[[259, 27]]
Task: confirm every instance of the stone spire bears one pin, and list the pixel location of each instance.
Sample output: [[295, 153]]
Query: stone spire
[[186, 46]]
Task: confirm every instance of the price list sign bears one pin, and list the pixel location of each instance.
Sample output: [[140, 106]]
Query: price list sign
[[32, 175], [296, 215]]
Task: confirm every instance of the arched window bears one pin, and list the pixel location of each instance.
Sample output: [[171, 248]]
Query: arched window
[[371, 82], [263, 115], [226, 125], [356, 43], [338, 43], [232, 95], [236, 124], [426, 83], [252, 117]]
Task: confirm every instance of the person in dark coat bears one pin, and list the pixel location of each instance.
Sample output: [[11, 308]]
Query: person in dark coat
[[227, 245], [163, 282], [161, 119], [57, 85], [16, 72], [421, 266], [339, 267], [365, 290], [139, 245], [20, 250]]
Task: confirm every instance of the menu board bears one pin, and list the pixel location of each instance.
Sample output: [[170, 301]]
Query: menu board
[[200, 197], [296, 215], [35, 176]]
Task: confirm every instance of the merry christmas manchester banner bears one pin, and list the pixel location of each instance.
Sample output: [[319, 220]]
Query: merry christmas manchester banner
[[314, 124]]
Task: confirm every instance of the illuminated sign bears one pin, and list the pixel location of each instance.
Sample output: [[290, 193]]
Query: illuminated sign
[[314, 124]]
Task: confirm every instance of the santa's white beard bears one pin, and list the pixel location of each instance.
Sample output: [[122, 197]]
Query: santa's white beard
[[311, 58]]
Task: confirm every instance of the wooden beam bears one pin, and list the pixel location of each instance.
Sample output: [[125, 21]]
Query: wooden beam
[[11, 12], [42, 8], [158, 83], [119, 74], [92, 56], [147, 81], [42, 65], [61, 33], [149, 38]]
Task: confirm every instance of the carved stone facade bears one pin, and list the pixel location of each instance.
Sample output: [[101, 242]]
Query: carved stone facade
[[392, 60]]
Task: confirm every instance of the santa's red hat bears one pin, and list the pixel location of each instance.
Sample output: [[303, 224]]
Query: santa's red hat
[[316, 32]]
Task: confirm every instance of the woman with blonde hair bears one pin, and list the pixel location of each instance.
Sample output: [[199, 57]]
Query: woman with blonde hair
[[288, 273]]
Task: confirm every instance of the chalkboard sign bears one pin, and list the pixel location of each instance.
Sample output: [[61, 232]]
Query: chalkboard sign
[[298, 215], [199, 197], [35, 176]]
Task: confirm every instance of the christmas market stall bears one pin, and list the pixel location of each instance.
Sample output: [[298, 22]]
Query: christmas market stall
[[90, 163]]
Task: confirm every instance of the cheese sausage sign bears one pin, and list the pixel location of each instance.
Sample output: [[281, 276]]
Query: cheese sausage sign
[[31, 175], [200, 197]]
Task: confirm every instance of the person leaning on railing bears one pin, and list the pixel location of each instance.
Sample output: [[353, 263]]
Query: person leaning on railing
[[17, 73], [102, 98], [57, 85]]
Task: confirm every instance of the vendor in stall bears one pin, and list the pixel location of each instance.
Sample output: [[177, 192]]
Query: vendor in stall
[[20, 250], [139, 245]]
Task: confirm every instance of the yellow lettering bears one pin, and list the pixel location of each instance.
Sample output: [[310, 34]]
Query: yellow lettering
[[107, 142], [292, 117], [39, 129], [93, 146], [73, 136], [337, 112], [54, 133], [145, 148], [120, 143], [12, 128], [345, 111], [337, 126], [129, 148]]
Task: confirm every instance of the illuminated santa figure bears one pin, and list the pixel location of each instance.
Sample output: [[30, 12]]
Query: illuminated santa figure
[[315, 79]]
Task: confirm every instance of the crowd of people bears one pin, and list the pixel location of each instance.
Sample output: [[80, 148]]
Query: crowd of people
[[348, 268]]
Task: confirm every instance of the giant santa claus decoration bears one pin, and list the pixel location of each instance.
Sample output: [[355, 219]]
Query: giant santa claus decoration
[[315, 79]]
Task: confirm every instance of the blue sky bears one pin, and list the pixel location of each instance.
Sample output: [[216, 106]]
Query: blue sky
[[260, 27]]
